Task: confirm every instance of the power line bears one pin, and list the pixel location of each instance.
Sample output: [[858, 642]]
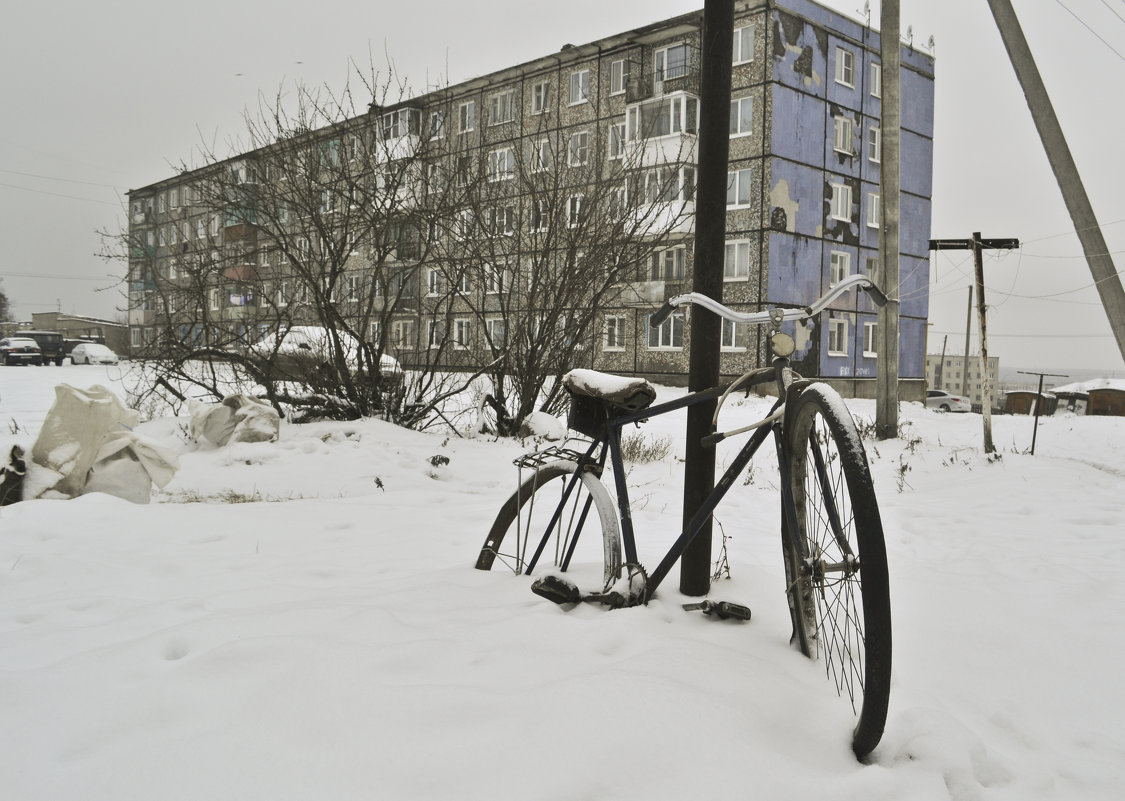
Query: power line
[[60, 277], [63, 180], [59, 194], [1091, 30]]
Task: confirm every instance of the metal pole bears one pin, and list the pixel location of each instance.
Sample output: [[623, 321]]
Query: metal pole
[[986, 404], [887, 390], [710, 249]]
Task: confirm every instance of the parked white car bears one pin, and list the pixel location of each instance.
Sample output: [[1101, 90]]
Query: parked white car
[[942, 401], [92, 353], [302, 351]]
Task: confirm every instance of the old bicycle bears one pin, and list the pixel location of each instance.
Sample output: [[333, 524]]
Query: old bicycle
[[831, 532]]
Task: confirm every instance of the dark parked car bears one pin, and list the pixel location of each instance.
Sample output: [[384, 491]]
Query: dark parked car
[[50, 345], [20, 350]]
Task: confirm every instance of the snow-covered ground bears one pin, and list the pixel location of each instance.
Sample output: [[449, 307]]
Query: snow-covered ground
[[301, 620]]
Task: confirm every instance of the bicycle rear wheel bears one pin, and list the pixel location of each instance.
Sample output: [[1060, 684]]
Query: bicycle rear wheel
[[836, 559], [579, 532]]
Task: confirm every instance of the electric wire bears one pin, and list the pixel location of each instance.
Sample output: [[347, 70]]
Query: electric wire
[[1091, 30]]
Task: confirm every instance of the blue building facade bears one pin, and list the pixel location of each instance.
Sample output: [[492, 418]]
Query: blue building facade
[[821, 171]]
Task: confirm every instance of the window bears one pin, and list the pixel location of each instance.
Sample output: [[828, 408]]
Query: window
[[214, 299], [872, 269], [502, 164], [502, 107], [354, 287], [579, 87], [578, 154], [541, 156], [743, 49], [497, 331], [618, 76], [668, 336], [874, 145], [869, 332], [502, 221], [614, 332], [874, 210], [617, 140], [736, 265], [842, 135], [463, 224], [839, 266], [668, 264], [738, 188], [540, 97], [464, 282], [174, 198], [464, 175], [396, 124], [435, 331], [462, 332], [838, 337], [731, 336], [434, 282], [875, 78], [283, 294], [741, 116], [841, 204], [576, 211], [437, 124], [495, 279], [402, 334], [663, 117], [466, 116], [671, 62], [540, 215], [845, 67]]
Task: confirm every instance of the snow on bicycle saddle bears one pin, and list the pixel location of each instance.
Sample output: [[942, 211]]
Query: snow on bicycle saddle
[[629, 394]]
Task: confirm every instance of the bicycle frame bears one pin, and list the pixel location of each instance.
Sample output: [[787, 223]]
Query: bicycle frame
[[609, 446]]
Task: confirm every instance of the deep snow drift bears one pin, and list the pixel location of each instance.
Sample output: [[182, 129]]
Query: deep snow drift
[[301, 620]]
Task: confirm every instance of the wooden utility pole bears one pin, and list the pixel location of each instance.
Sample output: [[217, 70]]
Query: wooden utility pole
[[977, 245], [1074, 195], [968, 337], [710, 250], [939, 373], [1038, 402], [886, 379]]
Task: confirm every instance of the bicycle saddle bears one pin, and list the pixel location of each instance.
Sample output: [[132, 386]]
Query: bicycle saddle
[[629, 394]]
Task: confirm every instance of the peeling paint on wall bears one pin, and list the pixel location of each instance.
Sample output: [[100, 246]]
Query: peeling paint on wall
[[781, 201]]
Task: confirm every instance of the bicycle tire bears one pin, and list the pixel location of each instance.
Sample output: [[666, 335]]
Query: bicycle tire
[[839, 595], [526, 515]]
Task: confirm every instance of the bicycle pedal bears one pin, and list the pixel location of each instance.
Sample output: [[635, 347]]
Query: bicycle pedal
[[557, 589], [723, 610]]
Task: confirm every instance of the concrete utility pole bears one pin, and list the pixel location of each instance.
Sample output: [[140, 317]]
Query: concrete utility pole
[[710, 250], [977, 245], [1064, 168], [886, 379]]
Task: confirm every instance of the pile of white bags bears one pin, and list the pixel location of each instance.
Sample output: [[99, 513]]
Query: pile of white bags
[[88, 444]]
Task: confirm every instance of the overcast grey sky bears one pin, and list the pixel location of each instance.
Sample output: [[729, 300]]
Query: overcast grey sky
[[102, 97]]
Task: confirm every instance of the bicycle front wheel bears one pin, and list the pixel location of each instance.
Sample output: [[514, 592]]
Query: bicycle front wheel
[[568, 517], [836, 559]]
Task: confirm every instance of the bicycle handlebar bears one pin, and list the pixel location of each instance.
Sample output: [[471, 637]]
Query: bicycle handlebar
[[757, 318]]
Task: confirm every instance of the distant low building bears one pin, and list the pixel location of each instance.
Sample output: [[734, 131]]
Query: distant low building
[[950, 373], [73, 326], [1101, 396]]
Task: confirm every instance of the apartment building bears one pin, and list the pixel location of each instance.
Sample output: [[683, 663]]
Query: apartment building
[[955, 374], [585, 156]]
